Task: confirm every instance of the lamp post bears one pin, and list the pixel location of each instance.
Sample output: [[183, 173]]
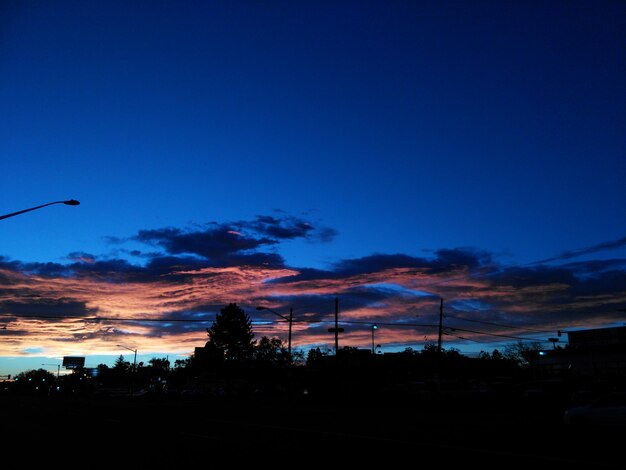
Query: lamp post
[[58, 368], [288, 319], [135, 358], [374, 328], [134, 366], [69, 202]]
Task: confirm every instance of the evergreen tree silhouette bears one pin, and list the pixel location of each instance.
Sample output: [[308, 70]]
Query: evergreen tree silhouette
[[231, 335]]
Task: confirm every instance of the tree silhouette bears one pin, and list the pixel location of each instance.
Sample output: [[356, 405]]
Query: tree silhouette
[[36, 375], [496, 355], [314, 356], [159, 365], [522, 353], [181, 363], [270, 352], [231, 334], [34, 381], [121, 366]]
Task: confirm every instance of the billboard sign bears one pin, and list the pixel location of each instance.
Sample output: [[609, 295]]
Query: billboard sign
[[73, 362]]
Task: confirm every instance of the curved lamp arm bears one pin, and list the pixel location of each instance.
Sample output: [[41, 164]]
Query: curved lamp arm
[[69, 202]]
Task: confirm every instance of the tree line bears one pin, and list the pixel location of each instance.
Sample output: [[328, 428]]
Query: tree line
[[232, 356]]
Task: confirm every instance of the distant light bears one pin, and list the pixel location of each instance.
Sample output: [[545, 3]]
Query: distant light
[[542, 353]]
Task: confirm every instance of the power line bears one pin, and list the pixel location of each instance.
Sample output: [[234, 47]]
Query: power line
[[494, 334], [497, 324], [265, 323], [96, 319]]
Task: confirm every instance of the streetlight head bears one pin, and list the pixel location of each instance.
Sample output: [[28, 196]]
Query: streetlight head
[[71, 202], [260, 308]]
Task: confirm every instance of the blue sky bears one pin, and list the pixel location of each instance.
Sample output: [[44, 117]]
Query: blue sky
[[338, 148]]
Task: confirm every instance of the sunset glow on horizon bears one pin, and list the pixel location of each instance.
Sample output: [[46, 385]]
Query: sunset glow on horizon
[[89, 308]]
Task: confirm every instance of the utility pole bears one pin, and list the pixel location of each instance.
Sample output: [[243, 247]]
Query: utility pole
[[336, 329], [289, 343], [336, 326], [439, 346], [374, 327], [440, 328]]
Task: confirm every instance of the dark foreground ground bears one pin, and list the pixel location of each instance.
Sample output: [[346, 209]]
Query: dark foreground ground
[[178, 433]]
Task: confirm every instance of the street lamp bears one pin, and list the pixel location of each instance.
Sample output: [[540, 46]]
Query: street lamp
[[58, 368], [69, 202], [374, 327], [133, 350], [134, 366], [289, 319]]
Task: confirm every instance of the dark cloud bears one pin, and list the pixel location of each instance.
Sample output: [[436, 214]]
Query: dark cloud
[[113, 240], [286, 228], [604, 246], [377, 262], [267, 260], [9, 265], [289, 228], [605, 282], [11, 332], [45, 269], [596, 266], [165, 266], [223, 244], [445, 260], [582, 279], [7, 278], [520, 277], [452, 259], [212, 244], [46, 308], [81, 257], [110, 270], [326, 234]]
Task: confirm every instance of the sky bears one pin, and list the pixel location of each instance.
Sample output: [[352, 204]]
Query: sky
[[381, 159]]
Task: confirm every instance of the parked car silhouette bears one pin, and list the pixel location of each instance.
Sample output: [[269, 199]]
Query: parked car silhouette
[[608, 410]]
